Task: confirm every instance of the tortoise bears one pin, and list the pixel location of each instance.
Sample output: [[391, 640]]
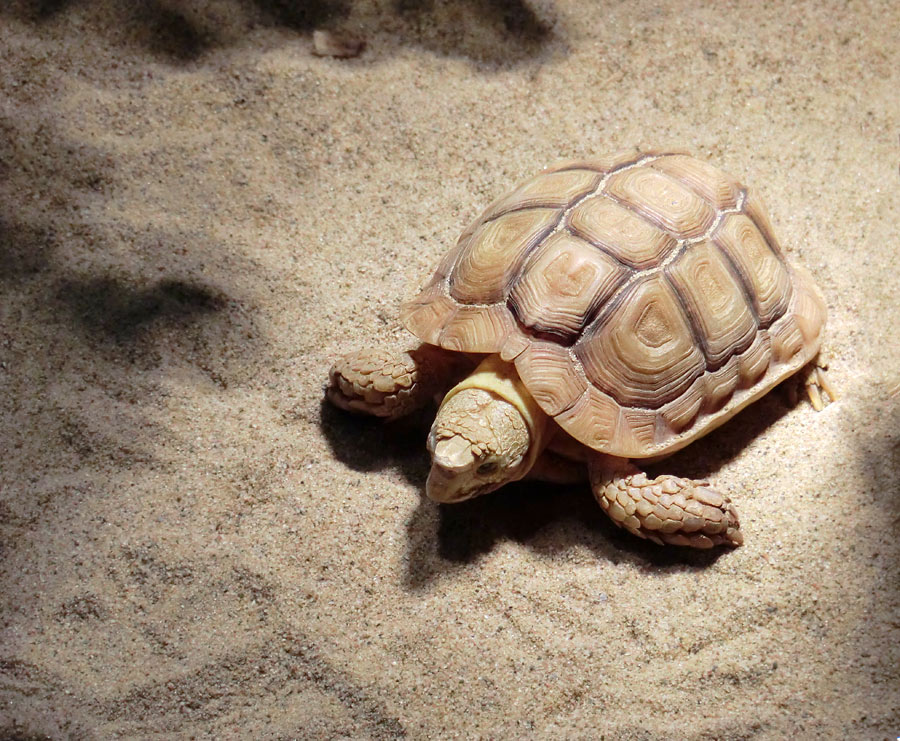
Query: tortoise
[[606, 312]]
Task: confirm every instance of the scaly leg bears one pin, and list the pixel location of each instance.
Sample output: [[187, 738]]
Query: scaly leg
[[667, 509], [391, 384]]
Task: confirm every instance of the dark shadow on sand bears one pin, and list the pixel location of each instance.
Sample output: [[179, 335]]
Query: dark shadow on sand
[[113, 309], [489, 33], [544, 517], [368, 444]]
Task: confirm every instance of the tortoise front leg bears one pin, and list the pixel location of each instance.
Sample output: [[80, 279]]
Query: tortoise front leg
[[391, 384], [667, 509]]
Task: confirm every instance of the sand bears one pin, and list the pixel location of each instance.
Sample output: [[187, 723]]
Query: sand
[[197, 215]]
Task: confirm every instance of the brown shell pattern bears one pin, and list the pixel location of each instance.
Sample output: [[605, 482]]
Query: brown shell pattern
[[643, 298]]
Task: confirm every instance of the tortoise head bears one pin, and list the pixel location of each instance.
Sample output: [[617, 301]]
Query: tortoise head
[[479, 441]]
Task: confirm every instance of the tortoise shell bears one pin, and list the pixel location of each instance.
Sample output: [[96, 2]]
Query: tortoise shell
[[643, 298]]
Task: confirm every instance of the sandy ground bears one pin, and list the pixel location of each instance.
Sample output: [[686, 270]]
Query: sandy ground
[[197, 215]]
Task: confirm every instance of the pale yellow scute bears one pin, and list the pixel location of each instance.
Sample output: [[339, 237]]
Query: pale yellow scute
[[493, 257], [636, 429], [619, 231], [759, 265], [720, 384], [755, 208], [550, 374], [547, 190], [602, 164], [565, 280], [807, 304], [709, 182], [663, 201], [717, 307], [754, 362], [592, 419], [680, 413], [477, 329], [426, 314], [787, 340], [642, 353]]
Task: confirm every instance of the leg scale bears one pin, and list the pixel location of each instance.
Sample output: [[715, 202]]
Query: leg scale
[[667, 509], [391, 384]]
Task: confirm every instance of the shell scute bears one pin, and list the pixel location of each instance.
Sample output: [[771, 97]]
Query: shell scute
[[550, 374], [663, 201], [592, 419], [620, 232], [722, 319], [477, 329], [680, 413], [764, 274], [564, 282], [425, 317], [708, 182], [603, 164], [642, 353], [754, 362], [547, 190], [492, 258]]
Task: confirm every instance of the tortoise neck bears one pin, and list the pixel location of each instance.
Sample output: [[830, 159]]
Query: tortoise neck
[[501, 379]]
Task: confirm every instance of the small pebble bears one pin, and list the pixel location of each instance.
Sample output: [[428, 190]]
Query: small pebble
[[335, 44]]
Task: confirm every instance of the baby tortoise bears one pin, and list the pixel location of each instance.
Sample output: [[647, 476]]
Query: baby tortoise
[[613, 310]]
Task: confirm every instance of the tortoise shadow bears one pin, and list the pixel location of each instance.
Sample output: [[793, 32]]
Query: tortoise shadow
[[553, 519], [548, 519], [369, 444]]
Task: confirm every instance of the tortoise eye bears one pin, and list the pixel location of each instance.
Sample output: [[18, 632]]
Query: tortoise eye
[[488, 467]]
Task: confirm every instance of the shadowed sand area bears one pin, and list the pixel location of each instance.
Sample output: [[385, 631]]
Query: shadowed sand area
[[197, 215]]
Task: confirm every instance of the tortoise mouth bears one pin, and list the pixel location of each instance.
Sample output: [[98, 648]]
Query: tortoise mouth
[[446, 487], [449, 486]]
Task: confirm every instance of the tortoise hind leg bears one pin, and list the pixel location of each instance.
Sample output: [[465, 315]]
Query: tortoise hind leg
[[667, 509], [815, 381], [391, 384]]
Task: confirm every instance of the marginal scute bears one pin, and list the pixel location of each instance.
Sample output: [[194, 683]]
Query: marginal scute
[[592, 419], [620, 232], [516, 343], [550, 375], [445, 266], [715, 303], [477, 329], [662, 200], [681, 412], [807, 305], [755, 208], [786, 337], [636, 429], [488, 263], [720, 385], [425, 316], [643, 353], [565, 280], [708, 182], [547, 190], [764, 274], [754, 362]]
